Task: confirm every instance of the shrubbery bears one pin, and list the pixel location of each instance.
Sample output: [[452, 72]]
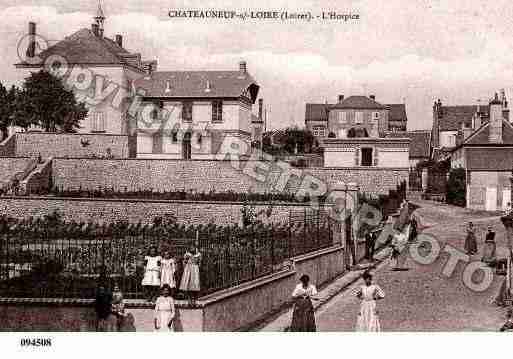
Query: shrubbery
[[456, 187]]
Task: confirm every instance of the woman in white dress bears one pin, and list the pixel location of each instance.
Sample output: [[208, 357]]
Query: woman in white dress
[[303, 318], [151, 280], [368, 320], [190, 283], [164, 311], [167, 271]]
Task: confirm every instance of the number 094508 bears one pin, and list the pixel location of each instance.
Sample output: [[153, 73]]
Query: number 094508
[[36, 342]]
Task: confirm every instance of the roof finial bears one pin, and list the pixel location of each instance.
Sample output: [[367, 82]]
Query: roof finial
[[100, 17]]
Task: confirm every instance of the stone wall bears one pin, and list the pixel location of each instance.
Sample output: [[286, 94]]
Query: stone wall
[[237, 308], [70, 145], [10, 166], [208, 175], [8, 147], [83, 210]]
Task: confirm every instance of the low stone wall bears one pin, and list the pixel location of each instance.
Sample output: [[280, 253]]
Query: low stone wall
[[237, 308], [11, 166], [106, 210], [8, 146], [70, 145], [209, 175]]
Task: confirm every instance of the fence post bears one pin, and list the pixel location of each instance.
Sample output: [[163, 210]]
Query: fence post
[[272, 248]]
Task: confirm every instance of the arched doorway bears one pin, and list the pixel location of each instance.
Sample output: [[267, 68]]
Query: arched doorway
[[186, 146]]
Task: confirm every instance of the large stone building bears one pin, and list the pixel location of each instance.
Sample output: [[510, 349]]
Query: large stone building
[[101, 72], [352, 134], [355, 112], [486, 152], [192, 112]]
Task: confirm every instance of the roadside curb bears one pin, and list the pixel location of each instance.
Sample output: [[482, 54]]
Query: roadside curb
[[282, 322]]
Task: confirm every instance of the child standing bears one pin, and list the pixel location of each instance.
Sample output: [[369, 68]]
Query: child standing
[[151, 280], [167, 271], [164, 311], [191, 275]]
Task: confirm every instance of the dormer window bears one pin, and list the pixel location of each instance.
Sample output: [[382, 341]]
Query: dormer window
[[187, 111], [358, 117]]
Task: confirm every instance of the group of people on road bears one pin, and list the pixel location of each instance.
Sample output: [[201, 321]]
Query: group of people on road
[[490, 247]]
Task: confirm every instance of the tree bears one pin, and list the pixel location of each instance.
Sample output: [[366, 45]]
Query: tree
[[45, 102], [7, 106], [456, 187]]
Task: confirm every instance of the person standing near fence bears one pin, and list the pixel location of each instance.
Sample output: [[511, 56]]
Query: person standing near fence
[[164, 311], [151, 280], [190, 283], [167, 271], [368, 293], [303, 318], [106, 320]]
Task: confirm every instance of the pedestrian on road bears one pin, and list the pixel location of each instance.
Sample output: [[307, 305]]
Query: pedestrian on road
[[413, 230], [164, 311], [508, 326], [470, 240], [490, 248], [399, 252], [303, 318], [370, 242], [368, 320]]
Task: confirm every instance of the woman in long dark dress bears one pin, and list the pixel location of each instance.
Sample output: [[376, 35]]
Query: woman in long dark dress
[[303, 318], [470, 240], [490, 248]]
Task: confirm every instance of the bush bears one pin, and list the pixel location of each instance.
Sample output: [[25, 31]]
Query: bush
[[456, 187]]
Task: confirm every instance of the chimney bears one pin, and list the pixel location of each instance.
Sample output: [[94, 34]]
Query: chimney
[[260, 108], [372, 97], [31, 50], [243, 67], [119, 40], [495, 120], [95, 28], [340, 98]]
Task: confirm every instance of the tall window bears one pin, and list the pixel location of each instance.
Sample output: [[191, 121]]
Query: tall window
[[375, 115], [358, 117], [217, 111], [342, 117], [367, 156], [98, 122], [187, 111], [319, 131]]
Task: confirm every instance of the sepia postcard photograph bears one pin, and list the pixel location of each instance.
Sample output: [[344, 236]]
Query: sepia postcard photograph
[[240, 166]]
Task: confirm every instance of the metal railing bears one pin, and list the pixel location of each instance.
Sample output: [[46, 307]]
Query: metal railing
[[48, 258]]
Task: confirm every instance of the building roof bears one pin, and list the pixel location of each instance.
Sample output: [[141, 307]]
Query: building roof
[[454, 116], [420, 145], [194, 84], [83, 47], [317, 111], [481, 135], [359, 102], [397, 112]]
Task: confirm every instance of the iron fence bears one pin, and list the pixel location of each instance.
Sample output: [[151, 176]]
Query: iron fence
[[52, 259]]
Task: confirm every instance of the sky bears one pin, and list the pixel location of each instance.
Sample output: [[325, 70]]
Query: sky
[[412, 51]]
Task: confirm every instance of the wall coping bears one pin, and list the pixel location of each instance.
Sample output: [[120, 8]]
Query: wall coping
[[121, 200], [78, 302], [230, 292], [70, 134], [16, 157]]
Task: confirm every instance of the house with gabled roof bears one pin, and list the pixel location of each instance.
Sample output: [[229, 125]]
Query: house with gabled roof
[[355, 112], [99, 70], [166, 114], [191, 113], [486, 155]]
